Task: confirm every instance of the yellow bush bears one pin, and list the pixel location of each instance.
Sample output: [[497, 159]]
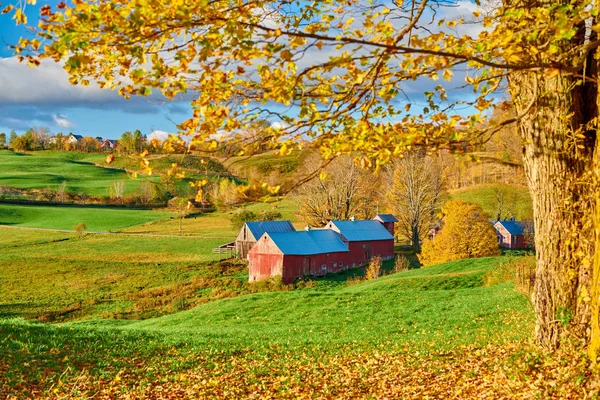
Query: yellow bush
[[466, 233]]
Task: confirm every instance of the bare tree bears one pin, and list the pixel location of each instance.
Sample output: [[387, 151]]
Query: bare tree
[[505, 203], [414, 185], [346, 191]]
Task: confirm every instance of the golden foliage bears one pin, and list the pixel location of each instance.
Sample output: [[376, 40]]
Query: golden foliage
[[239, 58], [466, 233]]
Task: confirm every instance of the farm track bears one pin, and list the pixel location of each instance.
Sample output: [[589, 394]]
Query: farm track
[[116, 233]]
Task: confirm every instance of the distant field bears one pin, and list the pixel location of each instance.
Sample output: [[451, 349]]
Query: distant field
[[47, 170], [485, 197], [266, 163], [219, 223], [65, 217]]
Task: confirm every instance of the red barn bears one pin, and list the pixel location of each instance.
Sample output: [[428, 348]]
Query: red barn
[[387, 220], [366, 239], [252, 231], [512, 234], [295, 254]]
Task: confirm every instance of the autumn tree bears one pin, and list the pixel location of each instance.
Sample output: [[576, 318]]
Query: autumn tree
[[413, 189], [3, 143], [466, 233], [343, 67], [344, 190], [88, 144]]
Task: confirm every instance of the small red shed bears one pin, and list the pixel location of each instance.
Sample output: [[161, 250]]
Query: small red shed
[[387, 220], [295, 254]]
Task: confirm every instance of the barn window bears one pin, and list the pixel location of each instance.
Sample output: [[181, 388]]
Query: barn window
[[334, 265], [341, 264], [327, 254], [324, 267]]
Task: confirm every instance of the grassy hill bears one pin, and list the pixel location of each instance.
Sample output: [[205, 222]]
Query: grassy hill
[[484, 196], [47, 169], [265, 163], [433, 332]]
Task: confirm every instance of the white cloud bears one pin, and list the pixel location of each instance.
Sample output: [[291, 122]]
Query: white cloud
[[159, 135], [62, 121], [46, 84]]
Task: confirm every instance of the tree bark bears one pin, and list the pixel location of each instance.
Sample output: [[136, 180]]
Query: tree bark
[[560, 166]]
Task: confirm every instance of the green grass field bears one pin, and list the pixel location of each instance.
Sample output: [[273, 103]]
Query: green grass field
[[47, 170], [485, 197], [48, 272], [432, 332], [65, 217]]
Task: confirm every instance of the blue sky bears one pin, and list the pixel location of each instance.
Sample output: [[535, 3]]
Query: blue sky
[[43, 97]]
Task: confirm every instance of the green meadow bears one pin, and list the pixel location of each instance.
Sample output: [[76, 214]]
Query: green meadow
[[48, 170], [96, 218], [263, 339], [131, 315]]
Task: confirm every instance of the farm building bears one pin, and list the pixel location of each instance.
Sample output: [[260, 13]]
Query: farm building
[[366, 239], [252, 231], [295, 254], [512, 234], [387, 220], [338, 246]]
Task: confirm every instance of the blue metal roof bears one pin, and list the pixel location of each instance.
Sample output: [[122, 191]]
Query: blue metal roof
[[358, 231], [258, 228], [305, 243], [386, 218], [513, 227]]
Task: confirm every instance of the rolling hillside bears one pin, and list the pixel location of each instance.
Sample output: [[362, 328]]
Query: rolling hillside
[[402, 330], [47, 170], [484, 196]]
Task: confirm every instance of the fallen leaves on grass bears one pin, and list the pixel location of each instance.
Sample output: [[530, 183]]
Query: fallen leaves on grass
[[513, 370]]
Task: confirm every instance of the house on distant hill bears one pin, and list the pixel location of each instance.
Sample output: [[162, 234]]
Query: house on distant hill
[[513, 234], [291, 255], [108, 144], [252, 231], [73, 139]]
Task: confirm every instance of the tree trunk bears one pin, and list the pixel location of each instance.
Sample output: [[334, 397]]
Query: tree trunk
[[559, 167], [416, 243]]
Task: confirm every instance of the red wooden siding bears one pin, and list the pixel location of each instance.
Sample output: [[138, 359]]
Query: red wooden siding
[[267, 261], [389, 226], [509, 241]]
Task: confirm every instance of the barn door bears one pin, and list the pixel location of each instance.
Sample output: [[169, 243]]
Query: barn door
[[367, 252], [306, 266]]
